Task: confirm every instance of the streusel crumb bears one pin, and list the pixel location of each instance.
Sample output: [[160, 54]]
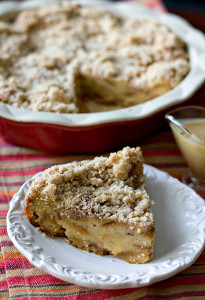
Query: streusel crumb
[[111, 188], [66, 58]]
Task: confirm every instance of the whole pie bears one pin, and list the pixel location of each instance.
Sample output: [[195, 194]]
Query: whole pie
[[67, 58], [101, 205]]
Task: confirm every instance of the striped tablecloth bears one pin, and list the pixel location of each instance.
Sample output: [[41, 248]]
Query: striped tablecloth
[[19, 279]]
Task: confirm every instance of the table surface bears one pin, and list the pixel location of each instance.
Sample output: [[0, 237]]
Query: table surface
[[19, 279]]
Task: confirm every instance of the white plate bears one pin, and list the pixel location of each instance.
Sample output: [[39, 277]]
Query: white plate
[[180, 223], [196, 47]]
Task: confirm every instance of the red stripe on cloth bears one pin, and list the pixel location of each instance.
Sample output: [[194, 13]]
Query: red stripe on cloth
[[3, 231], [104, 294], [3, 213], [169, 165], [177, 280], [202, 194], [16, 157], [201, 259], [4, 199], [9, 261], [3, 284], [39, 297], [18, 266], [18, 183], [61, 297], [163, 137], [159, 152], [34, 280], [32, 171], [2, 271], [6, 243], [175, 295]]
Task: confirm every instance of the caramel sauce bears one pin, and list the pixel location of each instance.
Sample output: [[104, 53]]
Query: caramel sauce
[[193, 150]]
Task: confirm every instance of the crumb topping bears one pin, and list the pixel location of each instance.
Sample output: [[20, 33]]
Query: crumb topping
[[111, 188], [44, 50]]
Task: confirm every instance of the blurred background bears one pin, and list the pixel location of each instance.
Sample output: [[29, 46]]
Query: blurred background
[[191, 10]]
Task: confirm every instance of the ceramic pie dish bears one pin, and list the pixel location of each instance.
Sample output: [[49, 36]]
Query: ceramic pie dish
[[102, 131]]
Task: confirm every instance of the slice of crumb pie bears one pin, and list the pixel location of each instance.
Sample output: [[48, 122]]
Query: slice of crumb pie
[[101, 205]]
